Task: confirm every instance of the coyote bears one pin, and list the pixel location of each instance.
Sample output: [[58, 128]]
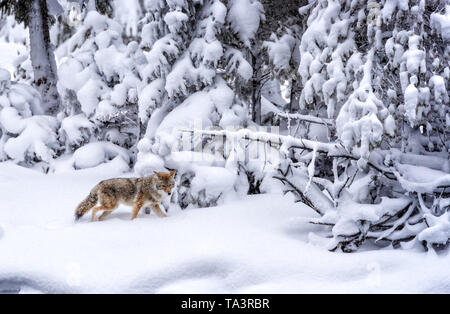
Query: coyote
[[135, 192]]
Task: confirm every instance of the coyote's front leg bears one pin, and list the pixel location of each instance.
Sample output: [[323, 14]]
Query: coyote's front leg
[[158, 210], [137, 207]]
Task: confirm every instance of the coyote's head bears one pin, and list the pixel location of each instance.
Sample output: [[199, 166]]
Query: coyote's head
[[165, 181]]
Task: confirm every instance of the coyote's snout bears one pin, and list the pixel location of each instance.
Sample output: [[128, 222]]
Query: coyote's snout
[[135, 192]]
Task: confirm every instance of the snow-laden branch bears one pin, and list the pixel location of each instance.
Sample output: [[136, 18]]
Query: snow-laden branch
[[336, 150], [429, 161], [286, 143], [308, 193], [282, 141], [306, 118], [441, 182]]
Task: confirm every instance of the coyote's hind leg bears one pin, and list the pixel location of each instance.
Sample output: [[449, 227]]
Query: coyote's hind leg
[[105, 214], [108, 204], [109, 209]]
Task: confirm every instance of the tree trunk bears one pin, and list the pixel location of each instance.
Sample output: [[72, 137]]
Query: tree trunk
[[257, 85], [294, 105], [43, 58]]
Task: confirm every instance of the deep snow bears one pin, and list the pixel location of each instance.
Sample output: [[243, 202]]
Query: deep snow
[[255, 245]]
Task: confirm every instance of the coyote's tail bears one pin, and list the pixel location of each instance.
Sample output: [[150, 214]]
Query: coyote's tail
[[87, 204]]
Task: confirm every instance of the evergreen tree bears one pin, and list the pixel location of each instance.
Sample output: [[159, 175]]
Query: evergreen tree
[[192, 64], [379, 72], [27, 137], [99, 82], [35, 15], [285, 27], [38, 15]]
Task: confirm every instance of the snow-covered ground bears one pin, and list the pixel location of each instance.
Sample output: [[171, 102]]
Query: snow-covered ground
[[254, 245]]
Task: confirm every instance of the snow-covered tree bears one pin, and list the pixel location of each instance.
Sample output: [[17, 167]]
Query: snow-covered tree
[[377, 70], [99, 84], [245, 20], [192, 67], [284, 26], [36, 16], [26, 135]]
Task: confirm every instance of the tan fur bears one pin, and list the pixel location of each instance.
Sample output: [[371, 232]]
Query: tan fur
[[136, 192]]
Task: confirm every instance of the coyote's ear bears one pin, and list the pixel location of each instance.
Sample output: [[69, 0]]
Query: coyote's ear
[[173, 172]]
